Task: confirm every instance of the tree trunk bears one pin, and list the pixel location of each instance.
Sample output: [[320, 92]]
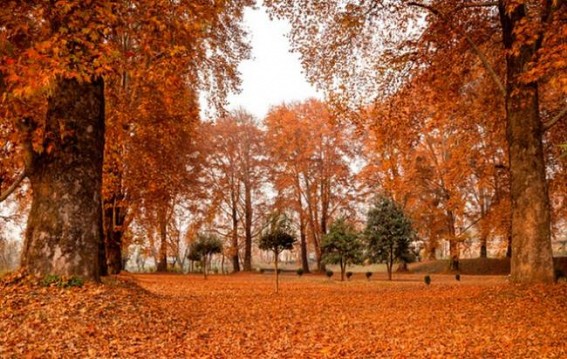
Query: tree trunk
[[531, 245], [277, 274], [483, 249], [162, 261], [303, 244], [64, 228], [234, 254], [343, 269], [114, 216], [248, 227], [454, 255]]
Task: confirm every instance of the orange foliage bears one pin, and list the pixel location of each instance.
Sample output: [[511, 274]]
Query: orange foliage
[[241, 316]]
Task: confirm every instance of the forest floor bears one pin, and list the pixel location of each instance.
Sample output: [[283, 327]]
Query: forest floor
[[241, 316]]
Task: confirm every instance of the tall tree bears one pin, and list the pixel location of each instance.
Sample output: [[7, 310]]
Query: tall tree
[[58, 53], [358, 37], [310, 157], [235, 171]]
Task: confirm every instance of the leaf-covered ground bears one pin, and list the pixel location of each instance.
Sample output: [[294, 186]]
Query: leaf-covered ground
[[240, 316]]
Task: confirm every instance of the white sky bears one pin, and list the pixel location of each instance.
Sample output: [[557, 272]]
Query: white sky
[[273, 75]]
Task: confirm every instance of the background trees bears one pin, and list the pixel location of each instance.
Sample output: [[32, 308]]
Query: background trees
[[360, 58]]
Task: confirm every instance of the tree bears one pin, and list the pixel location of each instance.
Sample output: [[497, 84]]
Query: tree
[[342, 245], [345, 46], [311, 172], [388, 233], [58, 54], [203, 248], [277, 238], [234, 151]]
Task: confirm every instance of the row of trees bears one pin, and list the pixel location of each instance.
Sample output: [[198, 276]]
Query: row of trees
[[448, 77], [387, 238], [100, 113]]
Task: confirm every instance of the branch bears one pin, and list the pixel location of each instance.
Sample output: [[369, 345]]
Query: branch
[[478, 4], [479, 53], [4, 195], [548, 124]]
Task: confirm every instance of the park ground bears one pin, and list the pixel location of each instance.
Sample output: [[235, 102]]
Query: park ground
[[241, 316]]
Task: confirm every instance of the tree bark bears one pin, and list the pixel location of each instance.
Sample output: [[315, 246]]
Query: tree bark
[[303, 244], [483, 248], [531, 237], [64, 229], [248, 226], [114, 216], [162, 260]]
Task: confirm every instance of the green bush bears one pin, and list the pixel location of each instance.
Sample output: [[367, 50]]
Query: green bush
[[57, 281], [50, 279], [427, 279], [368, 275], [348, 275], [458, 277], [299, 272], [329, 273]]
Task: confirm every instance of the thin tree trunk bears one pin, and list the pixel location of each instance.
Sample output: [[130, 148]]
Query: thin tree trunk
[[277, 272], [114, 216], [531, 237], [248, 227], [303, 244], [483, 248], [64, 229], [162, 263], [234, 255]]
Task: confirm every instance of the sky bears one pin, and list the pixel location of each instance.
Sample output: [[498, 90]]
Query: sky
[[273, 75]]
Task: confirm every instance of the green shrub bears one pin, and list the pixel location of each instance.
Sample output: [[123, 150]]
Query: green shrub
[[74, 282], [55, 280], [427, 279], [348, 275], [458, 277], [368, 275], [299, 272], [329, 273], [50, 279]]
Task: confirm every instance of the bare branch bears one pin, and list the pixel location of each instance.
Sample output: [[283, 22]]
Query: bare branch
[[475, 48], [4, 195], [560, 115]]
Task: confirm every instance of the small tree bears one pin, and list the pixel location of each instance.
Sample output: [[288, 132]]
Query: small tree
[[388, 233], [204, 247], [342, 246], [277, 238]]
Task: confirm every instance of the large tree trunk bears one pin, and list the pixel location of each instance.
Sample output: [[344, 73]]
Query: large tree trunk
[[248, 226], [531, 245], [64, 229]]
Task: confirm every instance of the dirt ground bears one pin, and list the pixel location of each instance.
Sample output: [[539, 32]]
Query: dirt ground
[[241, 316]]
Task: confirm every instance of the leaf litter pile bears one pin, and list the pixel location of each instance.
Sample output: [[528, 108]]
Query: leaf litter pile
[[241, 316]]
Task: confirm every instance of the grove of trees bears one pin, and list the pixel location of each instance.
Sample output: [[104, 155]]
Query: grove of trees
[[454, 110]]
